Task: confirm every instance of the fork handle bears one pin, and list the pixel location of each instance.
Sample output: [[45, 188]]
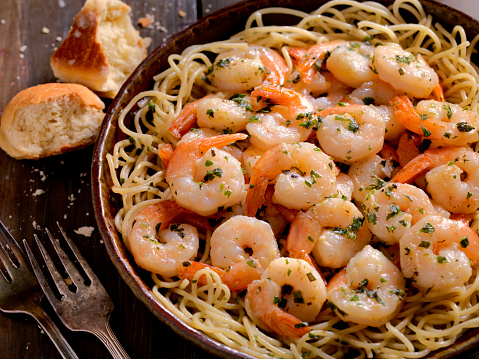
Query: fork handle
[[110, 341], [54, 333]]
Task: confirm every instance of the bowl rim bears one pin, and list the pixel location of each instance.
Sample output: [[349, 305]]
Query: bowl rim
[[101, 179]]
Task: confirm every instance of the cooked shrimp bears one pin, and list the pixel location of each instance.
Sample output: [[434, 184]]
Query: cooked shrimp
[[408, 147], [309, 61], [391, 210], [351, 133], [333, 230], [221, 114], [320, 84], [303, 175], [231, 244], [203, 132], [344, 187], [444, 122], [158, 246], [368, 291], [287, 122], [452, 179], [186, 119], [337, 93], [289, 293], [379, 94], [261, 306], [352, 64], [203, 178], [250, 156], [242, 70], [404, 71], [437, 253], [368, 175]]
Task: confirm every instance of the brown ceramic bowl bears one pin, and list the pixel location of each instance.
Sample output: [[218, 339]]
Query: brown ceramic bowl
[[217, 26]]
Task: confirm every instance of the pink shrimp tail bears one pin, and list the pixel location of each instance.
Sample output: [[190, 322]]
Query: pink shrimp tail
[[407, 115], [430, 158], [306, 59], [337, 110], [276, 66], [408, 147], [389, 153], [165, 212], [186, 119], [165, 152], [438, 92], [204, 144], [255, 194], [237, 277], [412, 170], [189, 269], [260, 297], [295, 102], [188, 152], [336, 282], [299, 239], [471, 249]]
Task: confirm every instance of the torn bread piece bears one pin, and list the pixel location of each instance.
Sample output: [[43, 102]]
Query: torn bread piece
[[50, 119], [102, 48]]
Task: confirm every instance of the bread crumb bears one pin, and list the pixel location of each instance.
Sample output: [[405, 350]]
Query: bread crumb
[[85, 231], [36, 226], [68, 281], [147, 41], [45, 30], [38, 192], [181, 13], [3, 21], [58, 38], [146, 21], [23, 48]]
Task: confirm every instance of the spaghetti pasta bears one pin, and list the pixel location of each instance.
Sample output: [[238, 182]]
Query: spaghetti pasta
[[299, 108]]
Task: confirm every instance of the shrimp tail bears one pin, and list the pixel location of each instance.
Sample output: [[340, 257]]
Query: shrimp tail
[[165, 152], [236, 277], [204, 144], [407, 115], [276, 67], [296, 103], [337, 110], [315, 55], [260, 299], [299, 239], [389, 153], [185, 120], [189, 269], [471, 249], [255, 194], [438, 92], [433, 157], [408, 147], [412, 170]]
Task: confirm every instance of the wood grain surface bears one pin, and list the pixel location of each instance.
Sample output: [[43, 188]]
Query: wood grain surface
[[36, 194]]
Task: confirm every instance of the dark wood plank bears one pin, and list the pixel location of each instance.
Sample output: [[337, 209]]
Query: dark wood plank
[[209, 6]]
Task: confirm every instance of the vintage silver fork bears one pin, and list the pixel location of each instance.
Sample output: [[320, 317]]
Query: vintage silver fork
[[20, 293], [87, 309]]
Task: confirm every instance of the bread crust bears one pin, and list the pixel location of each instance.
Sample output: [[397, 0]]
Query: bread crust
[[83, 59], [42, 95], [80, 57]]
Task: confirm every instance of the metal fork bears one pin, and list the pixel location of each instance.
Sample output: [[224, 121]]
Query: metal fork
[[21, 293], [87, 309]]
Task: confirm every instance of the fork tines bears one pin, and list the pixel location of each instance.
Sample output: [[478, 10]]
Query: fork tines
[[70, 268], [13, 247]]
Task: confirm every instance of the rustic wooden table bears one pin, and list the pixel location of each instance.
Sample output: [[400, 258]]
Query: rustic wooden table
[[36, 194]]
